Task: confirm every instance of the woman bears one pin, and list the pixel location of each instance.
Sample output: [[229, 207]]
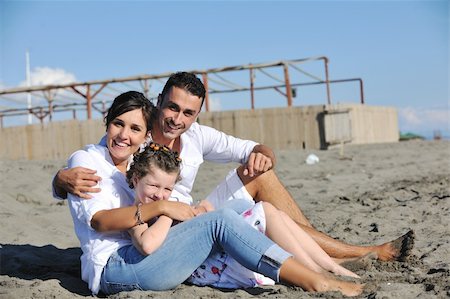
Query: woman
[[110, 265]]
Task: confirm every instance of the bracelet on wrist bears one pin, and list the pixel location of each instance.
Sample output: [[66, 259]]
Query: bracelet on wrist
[[137, 215]]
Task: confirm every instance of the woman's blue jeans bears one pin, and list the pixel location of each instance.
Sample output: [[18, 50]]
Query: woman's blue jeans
[[187, 245]]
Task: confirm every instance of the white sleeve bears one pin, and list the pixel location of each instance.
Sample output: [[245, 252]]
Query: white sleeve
[[99, 201], [55, 196], [223, 148]]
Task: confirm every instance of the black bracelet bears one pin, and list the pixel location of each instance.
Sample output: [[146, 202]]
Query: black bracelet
[[138, 214]]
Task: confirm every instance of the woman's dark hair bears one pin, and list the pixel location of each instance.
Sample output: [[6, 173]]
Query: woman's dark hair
[[128, 101], [153, 155], [186, 81]]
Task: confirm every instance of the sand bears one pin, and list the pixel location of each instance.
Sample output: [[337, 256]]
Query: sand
[[364, 194]]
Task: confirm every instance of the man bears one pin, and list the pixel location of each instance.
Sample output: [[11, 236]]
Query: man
[[175, 126]]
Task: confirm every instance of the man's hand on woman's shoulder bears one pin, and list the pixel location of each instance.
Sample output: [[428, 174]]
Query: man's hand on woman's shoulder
[[79, 181]]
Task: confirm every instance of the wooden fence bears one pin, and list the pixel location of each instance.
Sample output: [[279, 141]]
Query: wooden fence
[[307, 127]]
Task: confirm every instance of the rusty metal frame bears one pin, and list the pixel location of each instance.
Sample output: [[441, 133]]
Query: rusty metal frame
[[42, 112]]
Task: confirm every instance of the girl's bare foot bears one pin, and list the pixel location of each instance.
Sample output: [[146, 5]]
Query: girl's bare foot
[[340, 270], [350, 289]]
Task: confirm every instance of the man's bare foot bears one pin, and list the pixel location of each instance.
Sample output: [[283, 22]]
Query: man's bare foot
[[359, 263], [398, 249]]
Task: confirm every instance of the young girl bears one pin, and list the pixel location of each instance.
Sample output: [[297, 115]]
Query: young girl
[[153, 175]]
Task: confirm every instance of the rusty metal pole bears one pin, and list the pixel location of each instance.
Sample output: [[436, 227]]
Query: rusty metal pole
[[40, 116], [327, 81], [205, 83], [288, 85], [50, 105], [88, 101], [361, 87], [50, 110], [252, 90], [145, 87], [49, 97]]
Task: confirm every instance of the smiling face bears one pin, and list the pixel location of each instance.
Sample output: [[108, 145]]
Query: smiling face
[[178, 110], [124, 135], [156, 185]]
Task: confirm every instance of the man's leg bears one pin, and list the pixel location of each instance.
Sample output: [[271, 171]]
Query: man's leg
[[267, 187]]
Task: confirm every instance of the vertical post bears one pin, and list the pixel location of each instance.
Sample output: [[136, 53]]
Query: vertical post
[[103, 108], [50, 110], [74, 114], [146, 88], [49, 97], [361, 88], [88, 102], [40, 116], [27, 58], [288, 85], [252, 86], [327, 81], [205, 83]]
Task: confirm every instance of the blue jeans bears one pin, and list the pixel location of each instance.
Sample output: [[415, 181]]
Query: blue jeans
[[187, 245], [237, 205]]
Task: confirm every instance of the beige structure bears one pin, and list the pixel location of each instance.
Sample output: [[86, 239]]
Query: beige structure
[[56, 140], [308, 127], [360, 124]]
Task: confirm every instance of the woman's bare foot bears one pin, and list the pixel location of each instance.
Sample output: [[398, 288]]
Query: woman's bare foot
[[347, 288], [398, 249]]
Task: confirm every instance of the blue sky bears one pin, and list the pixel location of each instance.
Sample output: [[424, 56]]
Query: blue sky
[[399, 48]]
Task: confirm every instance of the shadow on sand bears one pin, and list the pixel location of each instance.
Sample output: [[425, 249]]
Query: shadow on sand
[[31, 262], [47, 262]]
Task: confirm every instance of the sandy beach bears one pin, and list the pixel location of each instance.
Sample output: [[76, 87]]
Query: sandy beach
[[362, 194]]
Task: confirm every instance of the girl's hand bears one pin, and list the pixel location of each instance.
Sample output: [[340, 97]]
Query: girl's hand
[[178, 210], [204, 207], [200, 209]]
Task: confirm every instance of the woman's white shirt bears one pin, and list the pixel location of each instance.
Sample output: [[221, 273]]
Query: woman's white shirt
[[97, 247]]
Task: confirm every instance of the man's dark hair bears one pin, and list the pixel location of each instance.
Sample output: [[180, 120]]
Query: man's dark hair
[[128, 101], [186, 81]]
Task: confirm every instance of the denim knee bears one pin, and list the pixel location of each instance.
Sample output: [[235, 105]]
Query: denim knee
[[226, 215], [238, 205]]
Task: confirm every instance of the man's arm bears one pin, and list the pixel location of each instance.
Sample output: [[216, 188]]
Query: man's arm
[[79, 181], [223, 148], [261, 159]]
